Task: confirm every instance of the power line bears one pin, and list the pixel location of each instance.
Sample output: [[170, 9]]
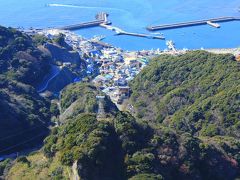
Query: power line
[[24, 142], [42, 123], [21, 132]]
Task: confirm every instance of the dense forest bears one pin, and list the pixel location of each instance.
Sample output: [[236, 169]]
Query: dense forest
[[25, 62], [20, 58], [150, 145], [22, 110], [197, 92], [81, 98], [125, 149]]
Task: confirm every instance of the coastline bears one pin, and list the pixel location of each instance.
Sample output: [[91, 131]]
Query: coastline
[[234, 51], [75, 38]]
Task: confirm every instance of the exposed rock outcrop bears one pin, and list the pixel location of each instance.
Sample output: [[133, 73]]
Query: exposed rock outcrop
[[63, 54]]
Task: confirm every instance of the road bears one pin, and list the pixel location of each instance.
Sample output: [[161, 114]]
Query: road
[[44, 84]]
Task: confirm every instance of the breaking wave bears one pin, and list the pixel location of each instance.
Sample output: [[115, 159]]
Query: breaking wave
[[84, 7]]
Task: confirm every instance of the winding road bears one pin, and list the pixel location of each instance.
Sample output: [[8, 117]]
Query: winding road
[[55, 70]]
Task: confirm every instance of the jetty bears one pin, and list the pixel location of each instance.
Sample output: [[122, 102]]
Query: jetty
[[101, 18], [213, 22], [122, 32], [102, 21], [216, 25]]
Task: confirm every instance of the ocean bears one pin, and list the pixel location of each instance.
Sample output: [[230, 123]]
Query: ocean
[[131, 16]]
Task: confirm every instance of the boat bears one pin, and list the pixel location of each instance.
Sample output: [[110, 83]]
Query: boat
[[158, 33], [98, 38], [159, 37]]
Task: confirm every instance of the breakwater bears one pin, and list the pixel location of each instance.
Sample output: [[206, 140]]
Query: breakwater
[[191, 23], [122, 32], [101, 18]]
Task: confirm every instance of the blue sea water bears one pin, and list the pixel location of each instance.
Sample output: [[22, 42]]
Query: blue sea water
[[134, 16]]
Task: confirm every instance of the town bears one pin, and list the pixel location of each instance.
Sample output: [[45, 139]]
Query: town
[[115, 66]]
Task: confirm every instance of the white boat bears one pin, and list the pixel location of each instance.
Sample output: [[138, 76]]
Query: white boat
[[158, 33], [98, 38]]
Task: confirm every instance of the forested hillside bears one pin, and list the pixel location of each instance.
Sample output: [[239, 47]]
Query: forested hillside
[[81, 98], [125, 148], [26, 64], [20, 58], [197, 93], [22, 111]]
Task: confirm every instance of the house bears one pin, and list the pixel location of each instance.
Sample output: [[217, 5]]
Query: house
[[67, 64], [95, 53], [120, 82], [238, 57], [124, 91]]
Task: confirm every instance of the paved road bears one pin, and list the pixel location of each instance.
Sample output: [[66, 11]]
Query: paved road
[[53, 73]]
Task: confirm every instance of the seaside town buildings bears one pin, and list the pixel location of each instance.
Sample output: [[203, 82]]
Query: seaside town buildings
[[115, 67]]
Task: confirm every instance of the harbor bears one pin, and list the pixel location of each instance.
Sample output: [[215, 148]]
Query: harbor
[[102, 21], [129, 18]]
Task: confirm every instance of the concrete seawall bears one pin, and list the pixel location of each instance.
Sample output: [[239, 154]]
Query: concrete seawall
[[191, 23]]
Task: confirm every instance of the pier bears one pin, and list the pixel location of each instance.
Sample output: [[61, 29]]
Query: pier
[[192, 23], [102, 21], [122, 32], [213, 24], [101, 18]]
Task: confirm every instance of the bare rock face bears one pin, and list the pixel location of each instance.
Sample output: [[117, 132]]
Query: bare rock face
[[64, 77], [60, 54], [63, 54]]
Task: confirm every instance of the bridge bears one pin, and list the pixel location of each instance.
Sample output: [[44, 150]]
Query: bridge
[[101, 18], [191, 23]]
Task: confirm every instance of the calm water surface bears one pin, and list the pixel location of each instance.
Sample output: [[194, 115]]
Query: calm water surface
[[132, 16]]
